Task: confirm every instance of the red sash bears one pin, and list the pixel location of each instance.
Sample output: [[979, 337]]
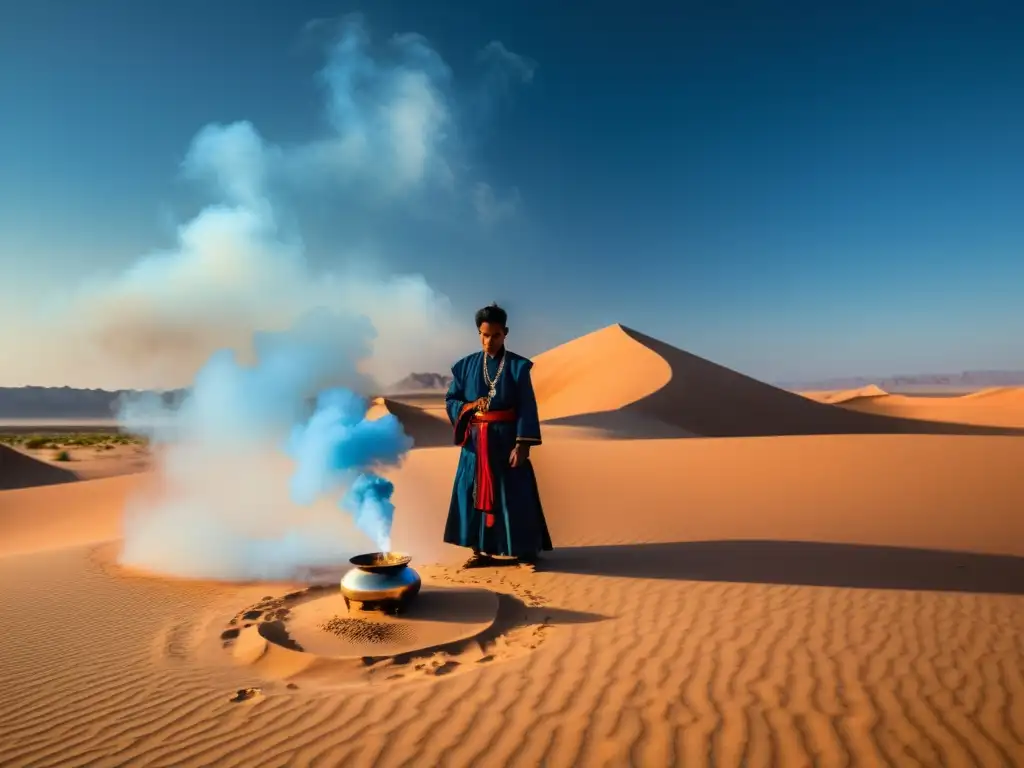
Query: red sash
[[484, 477]]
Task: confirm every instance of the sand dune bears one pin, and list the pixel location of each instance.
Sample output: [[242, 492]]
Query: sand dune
[[997, 410], [66, 515], [1005, 395], [804, 598], [20, 471], [617, 376], [999, 407], [603, 371], [427, 429], [845, 395]]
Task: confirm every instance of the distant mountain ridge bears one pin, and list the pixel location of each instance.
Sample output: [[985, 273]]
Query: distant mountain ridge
[[421, 382], [73, 403], [66, 402], [963, 380]]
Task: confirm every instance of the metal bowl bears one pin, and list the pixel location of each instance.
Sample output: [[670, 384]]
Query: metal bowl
[[381, 562], [380, 581]]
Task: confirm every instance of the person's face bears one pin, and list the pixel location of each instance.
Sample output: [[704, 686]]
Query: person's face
[[492, 337]]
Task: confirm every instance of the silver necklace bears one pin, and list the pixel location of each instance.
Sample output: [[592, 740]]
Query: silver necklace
[[492, 384]]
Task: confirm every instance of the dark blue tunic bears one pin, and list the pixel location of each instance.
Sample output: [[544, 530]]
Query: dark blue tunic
[[519, 527]]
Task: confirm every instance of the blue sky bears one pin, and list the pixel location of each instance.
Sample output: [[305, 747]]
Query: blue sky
[[796, 191]]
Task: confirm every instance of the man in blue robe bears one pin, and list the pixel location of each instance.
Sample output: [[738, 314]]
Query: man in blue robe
[[495, 508]]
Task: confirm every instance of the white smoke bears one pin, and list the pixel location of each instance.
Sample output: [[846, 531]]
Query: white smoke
[[239, 267], [252, 486]]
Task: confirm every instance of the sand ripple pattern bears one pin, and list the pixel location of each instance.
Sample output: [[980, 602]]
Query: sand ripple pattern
[[679, 673]]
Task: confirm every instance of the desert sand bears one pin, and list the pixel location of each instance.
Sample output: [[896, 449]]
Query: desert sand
[[741, 576]]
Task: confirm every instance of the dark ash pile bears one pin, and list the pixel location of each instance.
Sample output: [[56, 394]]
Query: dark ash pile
[[364, 631]]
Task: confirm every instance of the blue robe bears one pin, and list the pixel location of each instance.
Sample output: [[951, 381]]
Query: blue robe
[[519, 528]]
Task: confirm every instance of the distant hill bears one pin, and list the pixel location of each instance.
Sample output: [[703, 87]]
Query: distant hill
[[64, 402], [924, 381], [71, 403], [68, 402], [421, 382]]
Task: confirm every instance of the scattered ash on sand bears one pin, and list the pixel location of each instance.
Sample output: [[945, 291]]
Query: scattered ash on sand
[[365, 631]]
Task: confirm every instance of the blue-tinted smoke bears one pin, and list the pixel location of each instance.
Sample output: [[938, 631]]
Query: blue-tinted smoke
[[336, 449], [369, 500], [254, 486]]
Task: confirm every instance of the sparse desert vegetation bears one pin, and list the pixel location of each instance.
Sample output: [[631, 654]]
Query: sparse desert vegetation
[[100, 441], [75, 446], [87, 453]]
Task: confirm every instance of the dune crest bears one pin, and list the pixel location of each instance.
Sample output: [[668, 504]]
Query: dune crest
[[846, 395], [623, 382], [1001, 395], [602, 371]]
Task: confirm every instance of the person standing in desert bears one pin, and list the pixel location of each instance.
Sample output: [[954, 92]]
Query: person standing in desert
[[495, 508]]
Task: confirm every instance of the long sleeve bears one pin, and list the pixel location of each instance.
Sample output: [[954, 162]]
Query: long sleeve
[[527, 420], [459, 411], [454, 398]]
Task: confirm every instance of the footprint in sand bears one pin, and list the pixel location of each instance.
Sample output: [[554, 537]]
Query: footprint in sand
[[246, 694], [270, 611], [446, 668]]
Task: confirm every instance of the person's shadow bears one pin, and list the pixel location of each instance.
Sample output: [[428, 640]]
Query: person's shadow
[[797, 563]]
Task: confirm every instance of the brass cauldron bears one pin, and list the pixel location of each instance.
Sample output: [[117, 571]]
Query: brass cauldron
[[380, 581]]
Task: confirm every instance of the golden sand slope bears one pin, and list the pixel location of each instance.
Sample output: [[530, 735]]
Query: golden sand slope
[[646, 655], [1003, 408], [994, 407], [690, 616], [58, 516], [1001, 395], [100, 671], [570, 379], [933, 491]]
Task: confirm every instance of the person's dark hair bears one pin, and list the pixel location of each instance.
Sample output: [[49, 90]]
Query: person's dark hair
[[492, 314]]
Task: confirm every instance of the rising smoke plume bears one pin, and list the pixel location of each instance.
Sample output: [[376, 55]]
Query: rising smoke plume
[[254, 484], [258, 485]]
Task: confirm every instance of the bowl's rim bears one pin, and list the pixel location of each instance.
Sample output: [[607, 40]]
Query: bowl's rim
[[366, 559]]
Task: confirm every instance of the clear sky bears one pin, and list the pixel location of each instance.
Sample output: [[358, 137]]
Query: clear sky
[[795, 190]]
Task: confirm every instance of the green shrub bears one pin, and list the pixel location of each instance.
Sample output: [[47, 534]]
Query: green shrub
[[63, 456]]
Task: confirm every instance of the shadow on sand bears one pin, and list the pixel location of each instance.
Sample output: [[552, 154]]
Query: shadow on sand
[[798, 563], [426, 430], [623, 425], [18, 470]]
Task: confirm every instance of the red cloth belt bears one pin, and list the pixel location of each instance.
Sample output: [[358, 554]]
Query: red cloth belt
[[484, 477]]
